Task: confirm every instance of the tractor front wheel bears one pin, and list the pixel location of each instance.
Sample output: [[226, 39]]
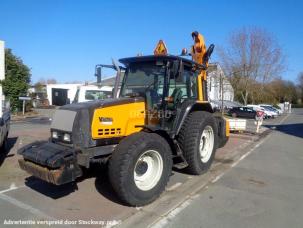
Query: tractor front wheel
[[140, 167]]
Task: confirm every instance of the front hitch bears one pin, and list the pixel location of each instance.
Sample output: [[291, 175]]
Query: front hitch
[[50, 162]]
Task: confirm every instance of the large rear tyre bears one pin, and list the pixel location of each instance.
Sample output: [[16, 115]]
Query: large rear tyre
[[198, 140], [140, 167]]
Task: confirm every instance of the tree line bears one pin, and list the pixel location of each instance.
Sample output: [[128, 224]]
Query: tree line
[[255, 63]]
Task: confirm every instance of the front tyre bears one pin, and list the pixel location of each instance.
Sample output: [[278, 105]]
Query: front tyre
[[198, 139], [140, 167]]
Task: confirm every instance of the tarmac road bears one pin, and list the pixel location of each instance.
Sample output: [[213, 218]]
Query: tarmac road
[[263, 190]]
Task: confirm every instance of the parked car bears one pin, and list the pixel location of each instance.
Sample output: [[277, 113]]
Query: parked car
[[244, 112], [273, 112], [4, 128], [278, 111], [267, 113]]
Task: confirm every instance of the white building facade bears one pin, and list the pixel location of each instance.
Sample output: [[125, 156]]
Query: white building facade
[[216, 82]]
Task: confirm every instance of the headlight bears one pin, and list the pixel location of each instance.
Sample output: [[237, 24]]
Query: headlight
[[106, 120], [55, 135], [66, 137]]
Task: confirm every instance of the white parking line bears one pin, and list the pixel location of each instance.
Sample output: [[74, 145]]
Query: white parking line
[[256, 146], [248, 152], [284, 118], [21, 204], [25, 206], [166, 219], [173, 187], [217, 178], [11, 188]]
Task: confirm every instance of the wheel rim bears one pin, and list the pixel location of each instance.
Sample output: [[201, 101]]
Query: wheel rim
[[148, 170], [206, 143]]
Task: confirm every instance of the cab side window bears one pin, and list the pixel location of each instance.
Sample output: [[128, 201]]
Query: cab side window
[[186, 83]]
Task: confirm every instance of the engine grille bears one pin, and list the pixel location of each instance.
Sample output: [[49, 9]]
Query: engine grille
[[109, 131]]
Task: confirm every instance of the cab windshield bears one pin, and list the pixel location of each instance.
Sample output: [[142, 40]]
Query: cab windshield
[[142, 78]]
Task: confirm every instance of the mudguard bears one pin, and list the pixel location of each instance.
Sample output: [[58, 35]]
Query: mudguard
[[223, 130]]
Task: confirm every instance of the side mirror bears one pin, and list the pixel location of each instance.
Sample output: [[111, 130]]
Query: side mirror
[[184, 52], [98, 73], [118, 76]]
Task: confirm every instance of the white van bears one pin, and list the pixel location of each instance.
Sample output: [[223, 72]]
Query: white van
[[92, 92]]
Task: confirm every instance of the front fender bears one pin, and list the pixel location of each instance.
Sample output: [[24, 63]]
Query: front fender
[[186, 108]]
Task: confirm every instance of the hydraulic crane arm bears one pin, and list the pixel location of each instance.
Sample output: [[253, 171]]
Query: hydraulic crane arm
[[198, 50], [201, 56]]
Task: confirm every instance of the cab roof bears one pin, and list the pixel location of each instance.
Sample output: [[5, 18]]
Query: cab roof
[[127, 61]]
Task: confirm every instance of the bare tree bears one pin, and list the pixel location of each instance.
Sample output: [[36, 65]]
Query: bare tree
[[41, 81], [51, 81], [44, 81], [300, 80], [251, 55], [300, 86]]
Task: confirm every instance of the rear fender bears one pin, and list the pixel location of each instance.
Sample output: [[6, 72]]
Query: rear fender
[[223, 130]]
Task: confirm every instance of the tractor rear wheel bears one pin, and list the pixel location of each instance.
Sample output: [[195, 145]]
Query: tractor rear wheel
[[198, 140], [140, 167]]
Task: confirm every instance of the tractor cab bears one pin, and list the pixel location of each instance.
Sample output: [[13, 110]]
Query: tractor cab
[[166, 82]]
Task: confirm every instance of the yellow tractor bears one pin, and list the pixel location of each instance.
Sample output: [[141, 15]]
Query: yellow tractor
[[160, 113]]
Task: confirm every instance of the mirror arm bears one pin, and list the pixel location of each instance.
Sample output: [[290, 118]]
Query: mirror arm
[[118, 76]]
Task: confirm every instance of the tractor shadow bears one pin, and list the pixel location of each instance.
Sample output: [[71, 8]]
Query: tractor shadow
[[50, 190], [289, 129], [97, 171], [5, 154], [55, 191], [104, 187]]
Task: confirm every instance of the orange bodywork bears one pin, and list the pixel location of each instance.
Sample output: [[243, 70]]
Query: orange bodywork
[[124, 120], [227, 128]]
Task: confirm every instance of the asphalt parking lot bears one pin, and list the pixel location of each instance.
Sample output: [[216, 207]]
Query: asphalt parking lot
[[91, 198]]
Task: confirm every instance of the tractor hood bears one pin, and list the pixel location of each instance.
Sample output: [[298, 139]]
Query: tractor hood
[[76, 119]]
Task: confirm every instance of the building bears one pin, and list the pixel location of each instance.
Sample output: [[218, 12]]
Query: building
[[61, 94], [216, 82]]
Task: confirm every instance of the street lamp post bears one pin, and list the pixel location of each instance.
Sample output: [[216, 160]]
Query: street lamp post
[[221, 90]]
